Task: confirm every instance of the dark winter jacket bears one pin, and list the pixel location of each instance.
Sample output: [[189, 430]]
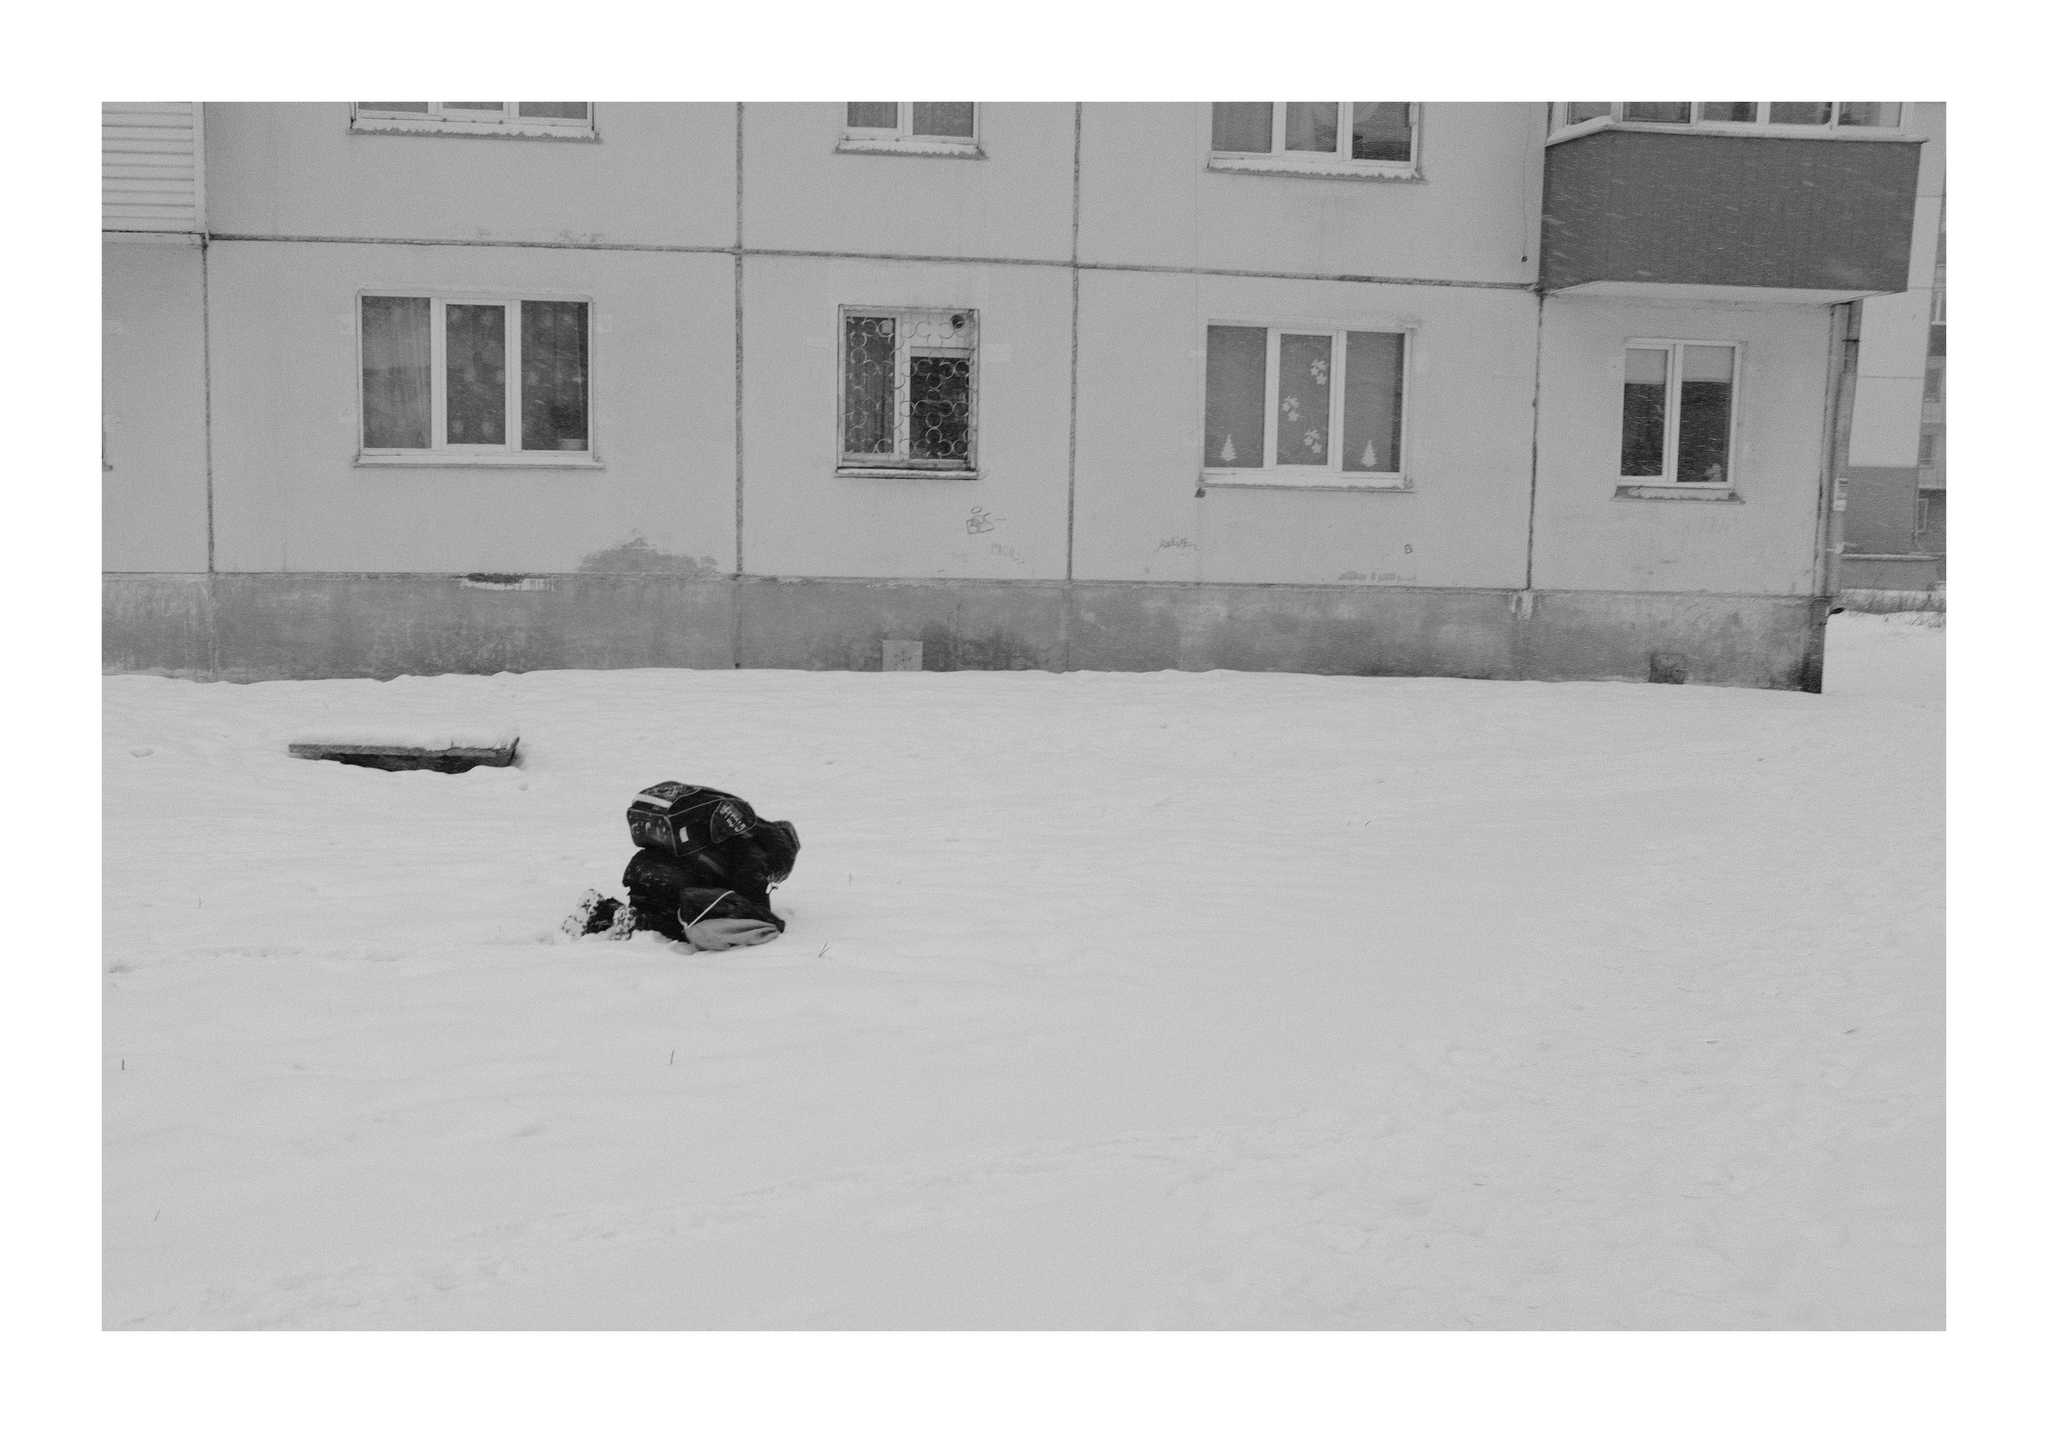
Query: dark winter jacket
[[727, 881]]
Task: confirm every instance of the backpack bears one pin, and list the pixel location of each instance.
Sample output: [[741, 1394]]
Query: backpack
[[704, 855]]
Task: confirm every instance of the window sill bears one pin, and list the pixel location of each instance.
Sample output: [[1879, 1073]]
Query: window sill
[[1375, 483], [1315, 169], [945, 474], [917, 148], [468, 130], [586, 462], [1676, 492]]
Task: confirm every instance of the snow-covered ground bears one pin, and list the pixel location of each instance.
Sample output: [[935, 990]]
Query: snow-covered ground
[[1171, 1000]]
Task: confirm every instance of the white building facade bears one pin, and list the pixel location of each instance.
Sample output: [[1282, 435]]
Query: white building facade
[[1490, 390]]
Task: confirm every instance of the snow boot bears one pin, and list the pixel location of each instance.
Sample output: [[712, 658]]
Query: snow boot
[[595, 912]]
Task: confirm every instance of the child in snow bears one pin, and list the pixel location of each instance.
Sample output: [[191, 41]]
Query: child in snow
[[702, 874]]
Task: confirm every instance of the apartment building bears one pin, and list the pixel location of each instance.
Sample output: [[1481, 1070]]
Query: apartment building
[[1483, 390], [1894, 534]]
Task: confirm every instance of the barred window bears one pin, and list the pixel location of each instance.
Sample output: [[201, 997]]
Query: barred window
[[907, 389]]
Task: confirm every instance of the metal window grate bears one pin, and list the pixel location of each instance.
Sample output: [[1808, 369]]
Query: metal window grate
[[908, 395]]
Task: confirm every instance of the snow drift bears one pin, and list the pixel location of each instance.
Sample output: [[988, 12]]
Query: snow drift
[[1166, 1000]]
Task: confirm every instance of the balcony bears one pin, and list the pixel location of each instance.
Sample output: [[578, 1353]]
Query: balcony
[[1633, 213]]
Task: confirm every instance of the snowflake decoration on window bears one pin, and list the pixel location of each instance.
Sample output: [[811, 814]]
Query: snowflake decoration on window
[[1320, 371], [1291, 407], [1313, 441]]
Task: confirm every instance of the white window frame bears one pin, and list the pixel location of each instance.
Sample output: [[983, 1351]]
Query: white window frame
[[1674, 378], [443, 117], [1339, 165], [899, 138], [1759, 127], [899, 464], [1329, 474], [443, 453]]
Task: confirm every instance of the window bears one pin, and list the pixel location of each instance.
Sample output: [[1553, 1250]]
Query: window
[[523, 119], [1774, 116], [907, 127], [1677, 411], [1356, 138], [462, 379], [1679, 112], [907, 391], [1305, 406]]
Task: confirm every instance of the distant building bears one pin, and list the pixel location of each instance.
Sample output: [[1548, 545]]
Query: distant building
[[1488, 390], [1894, 532]]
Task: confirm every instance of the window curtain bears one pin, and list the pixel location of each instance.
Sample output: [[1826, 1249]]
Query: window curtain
[[1303, 438], [1237, 127], [947, 121], [397, 356], [476, 373], [1373, 364], [1382, 130], [1236, 418], [1646, 377], [554, 361], [870, 401]]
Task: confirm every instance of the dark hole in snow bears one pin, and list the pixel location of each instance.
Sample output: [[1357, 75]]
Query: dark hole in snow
[[1668, 667], [449, 759]]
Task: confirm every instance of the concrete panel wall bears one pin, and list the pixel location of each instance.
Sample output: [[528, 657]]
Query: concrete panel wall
[[1147, 197], [1893, 572], [289, 498], [277, 627], [1884, 510], [258, 627], [656, 174], [1891, 360], [1586, 538], [1467, 443], [1934, 533], [803, 521], [1705, 639], [329, 568], [840, 625], [1147, 627], [1886, 429], [153, 408], [1017, 202]]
